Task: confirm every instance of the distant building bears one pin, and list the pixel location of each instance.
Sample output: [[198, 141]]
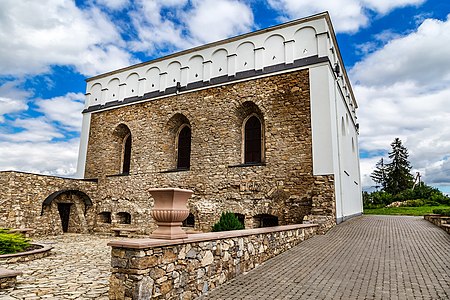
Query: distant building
[[263, 125]]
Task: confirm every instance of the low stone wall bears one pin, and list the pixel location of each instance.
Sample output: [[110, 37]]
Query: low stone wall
[[187, 268], [43, 251], [8, 278], [439, 220]]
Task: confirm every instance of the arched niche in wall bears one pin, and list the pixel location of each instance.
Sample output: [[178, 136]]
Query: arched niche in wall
[[132, 85], [219, 63], [152, 82], [123, 217], [122, 148], [305, 42], [173, 73], [245, 57], [265, 220], [113, 89], [174, 126], [274, 50], [96, 93], [195, 72], [343, 129]]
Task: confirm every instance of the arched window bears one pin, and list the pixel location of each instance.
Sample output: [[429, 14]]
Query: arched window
[[184, 148], [252, 140], [126, 154]]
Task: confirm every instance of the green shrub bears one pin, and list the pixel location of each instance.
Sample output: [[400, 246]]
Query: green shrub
[[228, 221], [442, 211], [12, 242], [413, 203]]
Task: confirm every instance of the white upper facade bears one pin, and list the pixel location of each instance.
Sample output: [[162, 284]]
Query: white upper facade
[[282, 47]]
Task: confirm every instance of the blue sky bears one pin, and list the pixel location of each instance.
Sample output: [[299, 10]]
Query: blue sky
[[395, 51]]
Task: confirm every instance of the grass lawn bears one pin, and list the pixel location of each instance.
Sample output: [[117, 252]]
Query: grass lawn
[[406, 211]]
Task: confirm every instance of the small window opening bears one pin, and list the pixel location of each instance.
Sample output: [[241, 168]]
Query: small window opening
[[104, 217], [265, 220], [241, 218], [190, 221], [123, 218]]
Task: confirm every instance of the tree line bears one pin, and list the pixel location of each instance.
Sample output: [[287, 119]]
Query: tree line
[[396, 183]]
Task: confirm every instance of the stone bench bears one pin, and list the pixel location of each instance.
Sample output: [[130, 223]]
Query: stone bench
[[124, 231], [25, 231], [8, 278]]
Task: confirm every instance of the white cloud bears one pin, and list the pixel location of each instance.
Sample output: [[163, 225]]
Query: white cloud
[[403, 91], [385, 6], [8, 105], [38, 34], [167, 26], [212, 20], [113, 4], [347, 15], [65, 109], [42, 157], [426, 61], [12, 100]]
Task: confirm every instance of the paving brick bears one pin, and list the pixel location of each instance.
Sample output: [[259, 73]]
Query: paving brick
[[370, 257]]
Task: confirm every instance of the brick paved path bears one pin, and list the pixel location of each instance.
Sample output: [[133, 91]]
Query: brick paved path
[[370, 257]]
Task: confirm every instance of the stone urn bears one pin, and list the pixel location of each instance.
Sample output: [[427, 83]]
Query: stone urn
[[169, 211]]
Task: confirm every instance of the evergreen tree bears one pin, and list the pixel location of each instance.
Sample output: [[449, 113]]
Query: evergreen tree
[[399, 177], [379, 175]]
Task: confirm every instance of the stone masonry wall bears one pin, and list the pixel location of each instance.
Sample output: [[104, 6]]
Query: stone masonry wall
[[284, 186], [22, 196], [185, 269]]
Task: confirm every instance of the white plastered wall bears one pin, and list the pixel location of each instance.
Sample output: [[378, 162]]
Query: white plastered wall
[[335, 139], [82, 151]]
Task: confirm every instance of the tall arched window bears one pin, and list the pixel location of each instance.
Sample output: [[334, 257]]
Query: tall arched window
[[184, 148], [252, 140], [126, 160]]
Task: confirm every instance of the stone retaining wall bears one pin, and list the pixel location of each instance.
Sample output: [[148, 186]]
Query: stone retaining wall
[[187, 268], [439, 220], [22, 196]]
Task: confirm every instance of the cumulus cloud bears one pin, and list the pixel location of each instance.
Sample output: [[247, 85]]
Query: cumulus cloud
[[212, 20], [42, 157], [38, 34], [403, 91], [12, 99], [36, 140], [167, 26], [66, 110], [113, 4], [347, 15]]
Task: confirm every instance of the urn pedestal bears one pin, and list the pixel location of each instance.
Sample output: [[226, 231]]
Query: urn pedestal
[[169, 211]]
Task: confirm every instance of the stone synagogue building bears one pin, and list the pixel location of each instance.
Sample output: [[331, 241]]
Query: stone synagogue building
[[263, 125]]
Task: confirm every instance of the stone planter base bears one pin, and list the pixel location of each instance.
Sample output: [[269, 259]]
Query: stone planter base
[[26, 256]]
